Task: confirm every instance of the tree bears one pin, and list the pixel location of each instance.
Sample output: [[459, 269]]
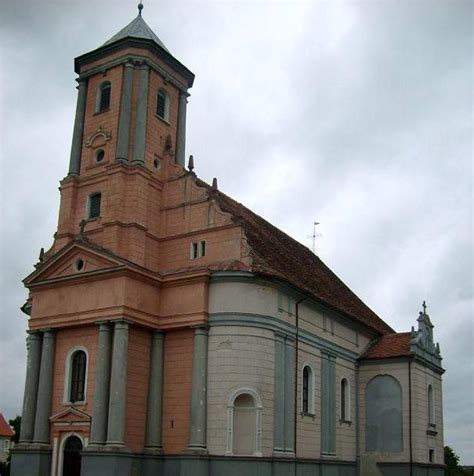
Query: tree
[[15, 423], [451, 460]]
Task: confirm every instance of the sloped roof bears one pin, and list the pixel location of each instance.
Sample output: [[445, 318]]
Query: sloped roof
[[389, 346], [5, 429], [278, 255], [137, 28]]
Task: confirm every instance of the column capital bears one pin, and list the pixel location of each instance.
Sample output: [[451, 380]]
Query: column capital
[[201, 329], [129, 63]]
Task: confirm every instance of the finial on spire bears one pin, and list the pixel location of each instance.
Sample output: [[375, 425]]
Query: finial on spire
[[140, 8], [191, 163]]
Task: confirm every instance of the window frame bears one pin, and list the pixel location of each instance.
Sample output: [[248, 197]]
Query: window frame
[[258, 423], [68, 376], [90, 197], [431, 406], [98, 102], [345, 400], [198, 249], [166, 106]]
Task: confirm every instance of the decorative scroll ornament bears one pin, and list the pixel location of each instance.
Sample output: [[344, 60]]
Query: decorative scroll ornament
[[106, 136]]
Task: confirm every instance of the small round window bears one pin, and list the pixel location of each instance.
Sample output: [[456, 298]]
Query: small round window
[[80, 264], [99, 155]]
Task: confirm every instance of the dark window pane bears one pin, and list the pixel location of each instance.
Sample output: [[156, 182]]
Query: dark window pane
[[104, 97], [343, 399], [161, 105], [78, 376], [305, 390], [94, 205]]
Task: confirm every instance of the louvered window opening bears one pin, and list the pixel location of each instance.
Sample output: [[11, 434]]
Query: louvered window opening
[[104, 103], [306, 390], [94, 205], [78, 376]]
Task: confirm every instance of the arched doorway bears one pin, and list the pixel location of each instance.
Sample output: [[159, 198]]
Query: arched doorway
[[72, 457]]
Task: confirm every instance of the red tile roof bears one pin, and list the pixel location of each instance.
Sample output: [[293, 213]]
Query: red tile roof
[[389, 346], [277, 255], [5, 429]]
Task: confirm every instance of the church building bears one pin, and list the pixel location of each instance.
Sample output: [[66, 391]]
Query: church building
[[174, 332]]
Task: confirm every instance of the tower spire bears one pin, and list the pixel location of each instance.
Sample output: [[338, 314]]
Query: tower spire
[[140, 8]]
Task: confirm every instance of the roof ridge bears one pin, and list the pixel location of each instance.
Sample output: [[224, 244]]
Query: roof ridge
[[297, 264]]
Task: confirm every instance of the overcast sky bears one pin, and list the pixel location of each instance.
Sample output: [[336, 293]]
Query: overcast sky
[[358, 115]]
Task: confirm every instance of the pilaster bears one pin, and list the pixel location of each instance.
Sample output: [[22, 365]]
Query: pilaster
[[279, 395], [102, 383], [181, 130], [118, 386], [125, 114], [77, 136], [155, 395], [140, 121], [289, 395], [198, 420], [31, 387], [43, 401]]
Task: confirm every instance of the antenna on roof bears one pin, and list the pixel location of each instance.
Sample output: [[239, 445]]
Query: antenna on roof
[[140, 8], [315, 235]]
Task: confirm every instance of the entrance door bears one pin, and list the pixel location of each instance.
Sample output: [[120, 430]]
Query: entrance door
[[72, 457]]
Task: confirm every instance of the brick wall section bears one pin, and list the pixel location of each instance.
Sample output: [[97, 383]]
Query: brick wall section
[[177, 389], [138, 367], [66, 339]]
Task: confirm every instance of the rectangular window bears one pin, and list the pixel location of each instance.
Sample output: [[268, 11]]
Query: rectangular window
[[431, 456], [198, 249], [94, 205]]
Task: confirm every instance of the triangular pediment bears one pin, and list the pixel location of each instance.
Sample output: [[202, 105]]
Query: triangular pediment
[[74, 260], [70, 415]]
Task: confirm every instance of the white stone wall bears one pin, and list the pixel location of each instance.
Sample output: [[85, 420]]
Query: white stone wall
[[345, 432], [421, 378], [398, 370], [309, 428], [239, 357]]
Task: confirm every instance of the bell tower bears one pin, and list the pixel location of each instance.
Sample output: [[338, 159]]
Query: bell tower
[[129, 138]]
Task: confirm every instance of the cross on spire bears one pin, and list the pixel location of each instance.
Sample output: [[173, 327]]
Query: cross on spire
[[424, 307]]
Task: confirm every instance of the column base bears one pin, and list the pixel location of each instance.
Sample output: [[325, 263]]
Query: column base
[[153, 450], [31, 460], [196, 450]]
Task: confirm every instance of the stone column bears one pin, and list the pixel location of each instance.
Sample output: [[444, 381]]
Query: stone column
[[77, 136], [198, 423], [279, 395], [45, 389], [181, 130], [102, 383], [140, 121], [125, 114], [31, 387], [289, 395], [118, 386], [155, 395]]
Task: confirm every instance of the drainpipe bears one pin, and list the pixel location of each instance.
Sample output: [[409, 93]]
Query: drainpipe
[[297, 319], [409, 416], [357, 422]]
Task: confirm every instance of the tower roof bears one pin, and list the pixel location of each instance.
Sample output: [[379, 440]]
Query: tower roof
[[137, 28]]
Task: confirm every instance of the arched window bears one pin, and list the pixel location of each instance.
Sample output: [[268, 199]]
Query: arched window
[[345, 400], [244, 423], [163, 105], [383, 415], [78, 377], [103, 96], [308, 391], [431, 409]]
